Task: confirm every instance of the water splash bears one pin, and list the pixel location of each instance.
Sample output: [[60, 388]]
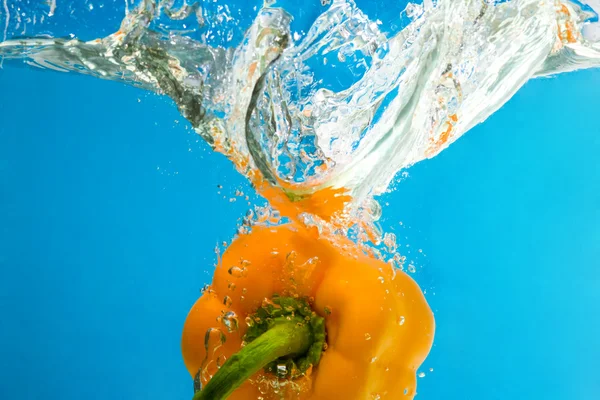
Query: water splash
[[344, 106]]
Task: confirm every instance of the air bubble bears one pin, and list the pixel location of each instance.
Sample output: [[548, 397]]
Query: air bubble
[[230, 321], [282, 370], [238, 272]]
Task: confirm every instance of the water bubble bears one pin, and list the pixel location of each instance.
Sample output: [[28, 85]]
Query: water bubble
[[401, 320], [413, 11], [389, 240], [367, 336], [221, 360], [399, 261], [282, 370], [381, 279], [421, 375], [373, 360], [263, 386], [230, 321], [227, 301], [238, 272], [412, 269], [231, 286], [213, 339], [430, 369]]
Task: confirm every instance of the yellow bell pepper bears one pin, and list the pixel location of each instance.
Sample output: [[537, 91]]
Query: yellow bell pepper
[[257, 332]]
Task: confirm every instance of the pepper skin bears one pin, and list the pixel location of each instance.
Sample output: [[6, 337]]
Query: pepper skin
[[378, 323]]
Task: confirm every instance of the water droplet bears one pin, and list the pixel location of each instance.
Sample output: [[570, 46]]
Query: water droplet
[[373, 360], [227, 301], [430, 369], [401, 320], [231, 286], [421, 375], [412, 269], [367, 336]]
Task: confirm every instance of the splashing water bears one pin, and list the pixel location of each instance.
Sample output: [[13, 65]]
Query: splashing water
[[343, 107]]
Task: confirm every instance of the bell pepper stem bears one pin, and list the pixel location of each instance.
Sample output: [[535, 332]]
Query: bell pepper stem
[[287, 337]]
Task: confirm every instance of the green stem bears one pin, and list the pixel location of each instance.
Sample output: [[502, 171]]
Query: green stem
[[287, 337]]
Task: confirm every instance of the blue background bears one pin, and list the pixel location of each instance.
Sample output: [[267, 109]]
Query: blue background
[[110, 212]]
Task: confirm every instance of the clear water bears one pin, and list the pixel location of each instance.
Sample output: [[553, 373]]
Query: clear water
[[346, 104], [574, 56]]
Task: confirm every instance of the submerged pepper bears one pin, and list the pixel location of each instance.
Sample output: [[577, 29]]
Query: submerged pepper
[[258, 332]]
